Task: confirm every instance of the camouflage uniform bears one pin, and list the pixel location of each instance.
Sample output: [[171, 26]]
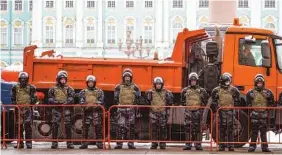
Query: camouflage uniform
[[280, 99], [193, 96], [259, 98], [159, 115], [61, 95], [91, 97], [226, 96], [24, 94]]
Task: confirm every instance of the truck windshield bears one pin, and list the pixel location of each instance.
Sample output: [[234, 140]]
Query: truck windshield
[[278, 44]]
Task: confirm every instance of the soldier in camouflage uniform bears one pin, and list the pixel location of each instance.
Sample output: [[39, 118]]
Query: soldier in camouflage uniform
[[126, 93], [92, 96], [24, 93], [159, 96], [225, 95], [61, 94], [193, 95], [259, 97]]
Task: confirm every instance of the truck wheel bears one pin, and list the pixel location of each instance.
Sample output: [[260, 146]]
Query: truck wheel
[[241, 133]]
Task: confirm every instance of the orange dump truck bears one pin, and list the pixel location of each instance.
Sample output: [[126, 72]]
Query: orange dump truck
[[266, 47]]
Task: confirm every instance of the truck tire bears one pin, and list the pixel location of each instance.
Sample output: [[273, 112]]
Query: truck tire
[[242, 131]]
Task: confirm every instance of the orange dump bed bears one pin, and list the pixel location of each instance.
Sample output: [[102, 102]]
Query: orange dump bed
[[109, 71]]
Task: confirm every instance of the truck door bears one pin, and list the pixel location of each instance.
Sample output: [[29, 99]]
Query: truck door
[[248, 61]]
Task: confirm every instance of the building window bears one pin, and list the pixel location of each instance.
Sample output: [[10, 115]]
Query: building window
[[177, 4], [203, 3], [49, 37], [177, 27], [90, 35], [269, 4], [69, 4], [69, 36], [3, 5], [18, 36], [49, 4], [111, 4], [129, 4], [90, 4], [30, 5], [243, 4], [148, 32], [148, 4], [111, 38], [18, 5], [4, 32]]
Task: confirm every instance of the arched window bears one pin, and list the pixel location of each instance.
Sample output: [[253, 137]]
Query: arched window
[[69, 32], [148, 31], [18, 27], [90, 31], [111, 31], [4, 33], [49, 31], [244, 20], [177, 26], [270, 23], [202, 22]]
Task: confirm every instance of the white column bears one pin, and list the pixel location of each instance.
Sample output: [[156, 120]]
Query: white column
[[166, 23], [280, 18], [37, 20], [159, 23], [79, 23], [256, 13], [59, 30], [191, 14], [100, 24]]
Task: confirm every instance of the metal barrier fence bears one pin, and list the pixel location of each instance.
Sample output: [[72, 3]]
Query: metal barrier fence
[[41, 121], [241, 121], [146, 128]]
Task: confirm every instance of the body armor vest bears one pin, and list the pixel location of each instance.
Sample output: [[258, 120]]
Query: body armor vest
[[158, 100], [91, 97], [259, 100], [61, 94], [126, 95], [225, 97], [23, 95], [193, 98]]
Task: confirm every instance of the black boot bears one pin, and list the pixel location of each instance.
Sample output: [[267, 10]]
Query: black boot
[[21, 146], [221, 147], [265, 149], [187, 146], [118, 146], [198, 137], [84, 145], [162, 145], [154, 145], [54, 136], [131, 136], [163, 135], [68, 133], [252, 149]]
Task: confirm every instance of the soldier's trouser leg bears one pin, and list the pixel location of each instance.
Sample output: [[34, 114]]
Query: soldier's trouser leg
[[21, 145], [163, 129], [98, 128], [154, 134], [254, 134], [230, 137], [222, 136], [28, 134], [86, 122], [196, 132], [68, 127], [121, 120], [55, 127], [263, 136], [188, 127], [131, 120]]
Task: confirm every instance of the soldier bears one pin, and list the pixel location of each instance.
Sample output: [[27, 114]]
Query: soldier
[[259, 97], [24, 93], [193, 95], [61, 94], [92, 96], [225, 95], [159, 96], [126, 93]]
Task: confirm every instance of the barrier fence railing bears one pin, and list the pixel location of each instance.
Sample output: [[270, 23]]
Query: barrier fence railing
[[45, 114], [273, 123], [141, 126]]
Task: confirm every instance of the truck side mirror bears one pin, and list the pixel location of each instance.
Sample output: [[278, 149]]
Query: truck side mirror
[[265, 51]]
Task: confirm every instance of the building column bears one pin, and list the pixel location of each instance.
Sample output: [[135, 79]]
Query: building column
[[100, 24], [159, 23], [37, 20], [191, 14], [59, 30], [166, 24], [256, 13], [79, 23], [280, 18]]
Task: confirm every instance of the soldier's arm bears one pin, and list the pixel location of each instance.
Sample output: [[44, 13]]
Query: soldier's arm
[[280, 99], [205, 97], [137, 94], [81, 96], [71, 93], [183, 97], [51, 96], [33, 96], [116, 94], [169, 98], [270, 98], [148, 97], [249, 98], [13, 93], [215, 97], [236, 96], [101, 97]]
